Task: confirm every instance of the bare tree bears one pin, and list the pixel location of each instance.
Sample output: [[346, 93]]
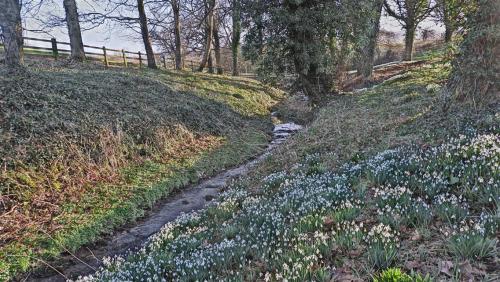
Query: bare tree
[[427, 34], [235, 43], [177, 33], [143, 21], [193, 16], [11, 25], [74, 31], [409, 13], [217, 44], [209, 21]]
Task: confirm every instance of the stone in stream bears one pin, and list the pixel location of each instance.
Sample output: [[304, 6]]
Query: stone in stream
[[209, 198], [281, 135], [286, 128]]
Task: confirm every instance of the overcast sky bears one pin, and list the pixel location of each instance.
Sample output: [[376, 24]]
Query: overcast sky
[[117, 37]]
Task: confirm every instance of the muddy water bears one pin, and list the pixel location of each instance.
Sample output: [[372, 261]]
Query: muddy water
[[194, 198]]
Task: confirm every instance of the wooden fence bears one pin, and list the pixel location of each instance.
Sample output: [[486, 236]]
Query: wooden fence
[[108, 56]]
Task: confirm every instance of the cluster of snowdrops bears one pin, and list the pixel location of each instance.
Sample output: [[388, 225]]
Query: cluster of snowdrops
[[288, 229]]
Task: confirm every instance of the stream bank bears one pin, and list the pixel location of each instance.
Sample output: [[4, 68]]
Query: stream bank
[[133, 236]]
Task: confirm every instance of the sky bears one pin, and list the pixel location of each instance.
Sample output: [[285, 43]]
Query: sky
[[118, 37]]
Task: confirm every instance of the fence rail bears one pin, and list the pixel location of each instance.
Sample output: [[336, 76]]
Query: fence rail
[[108, 56]]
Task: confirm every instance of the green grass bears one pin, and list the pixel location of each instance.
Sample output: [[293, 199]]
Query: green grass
[[86, 150], [316, 209], [402, 111]]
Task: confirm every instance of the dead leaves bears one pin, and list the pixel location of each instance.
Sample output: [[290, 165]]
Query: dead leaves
[[464, 270], [416, 236], [355, 253], [344, 274], [446, 267], [413, 264], [328, 222]]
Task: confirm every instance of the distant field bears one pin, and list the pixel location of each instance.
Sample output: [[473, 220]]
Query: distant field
[[393, 51]]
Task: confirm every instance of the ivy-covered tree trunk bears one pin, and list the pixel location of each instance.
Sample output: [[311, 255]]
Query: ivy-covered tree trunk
[[74, 31], [10, 22], [235, 44], [305, 57], [145, 35], [365, 63], [448, 28], [476, 71]]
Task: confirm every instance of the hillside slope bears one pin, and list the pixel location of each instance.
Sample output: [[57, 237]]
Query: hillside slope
[[84, 150], [381, 186]]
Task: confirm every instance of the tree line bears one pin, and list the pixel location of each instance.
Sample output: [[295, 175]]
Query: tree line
[[315, 39]]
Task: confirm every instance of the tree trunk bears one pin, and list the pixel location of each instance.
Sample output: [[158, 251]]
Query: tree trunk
[[177, 34], [448, 33], [210, 63], [409, 42], [74, 32], [218, 62], [260, 27], [476, 72], [365, 65], [235, 44], [10, 22], [313, 81], [209, 33], [145, 35]]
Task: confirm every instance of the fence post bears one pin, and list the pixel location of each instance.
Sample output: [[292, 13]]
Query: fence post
[[106, 63], [140, 59], [124, 58], [55, 52], [164, 62]]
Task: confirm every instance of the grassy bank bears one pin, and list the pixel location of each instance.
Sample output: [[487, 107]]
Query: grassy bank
[[383, 186], [404, 110], [85, 150]]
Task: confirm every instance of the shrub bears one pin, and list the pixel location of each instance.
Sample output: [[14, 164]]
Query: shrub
[[392, 274], [396, 275]]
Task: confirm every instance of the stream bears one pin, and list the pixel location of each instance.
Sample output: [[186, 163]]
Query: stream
[[133, 236]]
